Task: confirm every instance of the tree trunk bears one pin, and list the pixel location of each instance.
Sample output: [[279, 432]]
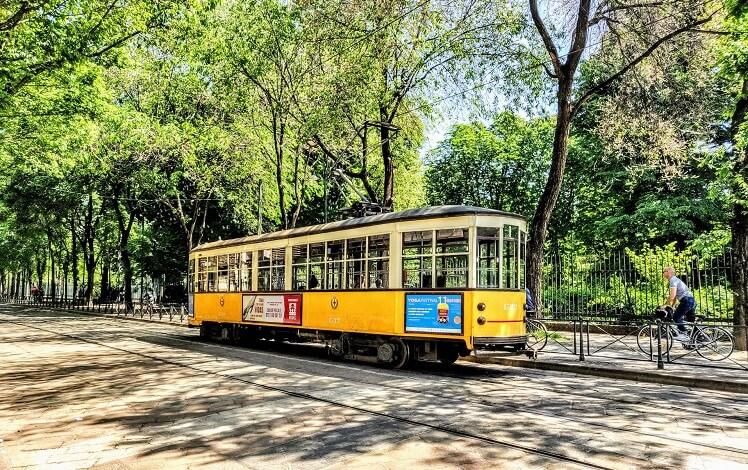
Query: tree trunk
[[539, 225], [740, 270], [124, 224], [106, 265], [739, 224], [53, 273], [88, 250], [74, 257]]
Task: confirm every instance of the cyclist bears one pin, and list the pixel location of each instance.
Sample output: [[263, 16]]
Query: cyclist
[[529, 304], [678, 291]]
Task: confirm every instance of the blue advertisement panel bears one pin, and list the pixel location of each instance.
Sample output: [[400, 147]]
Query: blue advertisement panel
[[433, 313]]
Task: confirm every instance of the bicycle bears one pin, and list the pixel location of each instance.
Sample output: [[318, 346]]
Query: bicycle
[[537, 334], [713, 343]]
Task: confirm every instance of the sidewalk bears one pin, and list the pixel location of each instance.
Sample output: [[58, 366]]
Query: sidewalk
[[618, 356]]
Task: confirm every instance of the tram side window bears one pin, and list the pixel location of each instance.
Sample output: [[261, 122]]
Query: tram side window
[[299, 267], [356, 263], [234, 272], [509, 257], [263, 270], [418, 259], [245, 269], [212, 274], [316, 266], [223, 273], [278, 269], [522, 259], [334, 265], [378, 261], [488, 257], [452, 258], [191, 277], [202, 275]]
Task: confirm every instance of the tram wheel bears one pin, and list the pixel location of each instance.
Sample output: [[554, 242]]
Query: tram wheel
[[447, 356], [402, 353]]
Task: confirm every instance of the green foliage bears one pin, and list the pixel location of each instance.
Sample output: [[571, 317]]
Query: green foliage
[[502, 166], [629, 284]]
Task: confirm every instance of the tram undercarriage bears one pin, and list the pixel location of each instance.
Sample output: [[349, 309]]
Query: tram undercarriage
[[392, 351]]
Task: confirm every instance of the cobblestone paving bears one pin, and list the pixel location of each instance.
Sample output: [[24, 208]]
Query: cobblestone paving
[[91, 392]]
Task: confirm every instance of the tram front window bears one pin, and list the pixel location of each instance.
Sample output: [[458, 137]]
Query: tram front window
[[510, 266], [488, 257]]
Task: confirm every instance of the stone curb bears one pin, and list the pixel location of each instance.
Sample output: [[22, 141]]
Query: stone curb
[[623, 374]]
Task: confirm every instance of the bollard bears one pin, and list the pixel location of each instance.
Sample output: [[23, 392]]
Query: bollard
[[581, 340], [660, 363]]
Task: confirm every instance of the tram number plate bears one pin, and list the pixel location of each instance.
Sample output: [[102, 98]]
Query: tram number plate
[[285, 309]]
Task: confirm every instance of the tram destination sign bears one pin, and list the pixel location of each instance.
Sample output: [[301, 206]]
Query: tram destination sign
[[285, 309], [433, 313]]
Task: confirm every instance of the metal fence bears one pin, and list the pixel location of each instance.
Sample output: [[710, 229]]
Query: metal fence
[[166, 312], [627, 286]]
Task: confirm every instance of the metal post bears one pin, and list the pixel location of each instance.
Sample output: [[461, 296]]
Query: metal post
[[581, 340], [660, 363]]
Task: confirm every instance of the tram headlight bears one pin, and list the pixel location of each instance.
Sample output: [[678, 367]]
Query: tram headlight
[[481, 320], [481, 307]]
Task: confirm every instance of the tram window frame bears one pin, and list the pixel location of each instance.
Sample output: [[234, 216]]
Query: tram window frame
[[490, 261], [334, 278], [510, 264], [317, 265], [278, 269], [245, 271], [446, 276], [212, 274], [191, 276], [423, 255], [355, 269], [522, 259], [233, 265], [263, 270], [300, 265], [380, 261], [202, 275], [223, 273]]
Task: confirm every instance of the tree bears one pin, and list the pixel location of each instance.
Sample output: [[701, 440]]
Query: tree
[[734, 64], [638, 167], [647, 25], [381, 62], [39, 37], [500, 167]]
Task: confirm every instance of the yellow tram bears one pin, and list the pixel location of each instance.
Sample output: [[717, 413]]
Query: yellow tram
[[427, 283]]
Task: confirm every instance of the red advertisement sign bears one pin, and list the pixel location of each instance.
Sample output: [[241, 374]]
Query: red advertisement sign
[[283, 309]]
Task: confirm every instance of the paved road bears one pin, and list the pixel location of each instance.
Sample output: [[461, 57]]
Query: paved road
[[82, 391]]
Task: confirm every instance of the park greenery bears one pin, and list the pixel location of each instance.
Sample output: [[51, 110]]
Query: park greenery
[[132, 131]]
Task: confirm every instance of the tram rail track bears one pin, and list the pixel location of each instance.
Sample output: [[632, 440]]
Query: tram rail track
[[409, 421], [447, 429]]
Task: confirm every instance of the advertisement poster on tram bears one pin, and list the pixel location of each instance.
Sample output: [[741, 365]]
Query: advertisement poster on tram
[[433, 313], [284, 309]]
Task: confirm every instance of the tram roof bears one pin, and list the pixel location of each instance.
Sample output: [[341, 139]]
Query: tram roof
[[390, 217]]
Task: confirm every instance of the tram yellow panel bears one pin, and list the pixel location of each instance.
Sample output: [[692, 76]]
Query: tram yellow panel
[[504, 313], [218, 307], [357, 311]]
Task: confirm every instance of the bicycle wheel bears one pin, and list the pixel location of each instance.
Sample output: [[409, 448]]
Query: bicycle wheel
[[537, 334], [713, 343], [646, 339]]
